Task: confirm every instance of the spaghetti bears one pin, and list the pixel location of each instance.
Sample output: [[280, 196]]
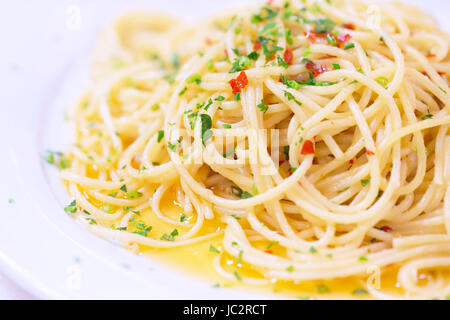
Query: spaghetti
[[311, 137]]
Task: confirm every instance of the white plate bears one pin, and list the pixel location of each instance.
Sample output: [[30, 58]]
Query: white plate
[[45, 70]]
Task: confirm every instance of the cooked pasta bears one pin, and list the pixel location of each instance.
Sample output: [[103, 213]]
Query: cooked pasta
[[310, 137]]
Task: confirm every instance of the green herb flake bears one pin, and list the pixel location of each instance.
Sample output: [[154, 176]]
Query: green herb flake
[[263, 107], [213, 249], [360, 291], [197, 78], [160, 135], [183, 91], [271, 244], [383, 81], [220, 98], [365, 182], [322, 288], [363, 258], [349, 46], [72, 207], [207, 133]]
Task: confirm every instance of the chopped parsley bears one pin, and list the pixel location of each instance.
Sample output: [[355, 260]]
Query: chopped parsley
[[263, 107], [321, 288], [349, 46], [72, 207], [286, 152], [336, 66], [290, 96], [143, 229], [133, 194], [282, 63], [194, 78], [220, 98], [58, 159], [183, 91], [171, 236], [365, 182], [240, 64], [207, 133], [271, 244], [253, 56], [383, 81], [360, 291], [107, 208], [238, 192]]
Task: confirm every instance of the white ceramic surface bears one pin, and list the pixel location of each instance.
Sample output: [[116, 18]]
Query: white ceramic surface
[[44, 68]]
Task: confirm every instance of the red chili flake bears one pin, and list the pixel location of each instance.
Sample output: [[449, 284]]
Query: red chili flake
[[350, 26], [416, 112], [226, 52], [386, 228], [441, 73], [351, 161], [239, 83], [208, 41], [257, 45], [311, 36], [268, 251], [431, 55], [308, 147], [370, 153], [342, 38], [288, 56], [316, 70]]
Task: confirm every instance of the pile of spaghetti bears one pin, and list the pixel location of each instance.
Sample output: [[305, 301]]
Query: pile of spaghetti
[[357, 177]]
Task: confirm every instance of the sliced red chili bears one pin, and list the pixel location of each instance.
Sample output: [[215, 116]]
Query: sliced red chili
[[386, 228], [288, 56], [257, 45], [350, 26], [239, 83], [351, 161], [311, 36], [308, 147], [315, 69]]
